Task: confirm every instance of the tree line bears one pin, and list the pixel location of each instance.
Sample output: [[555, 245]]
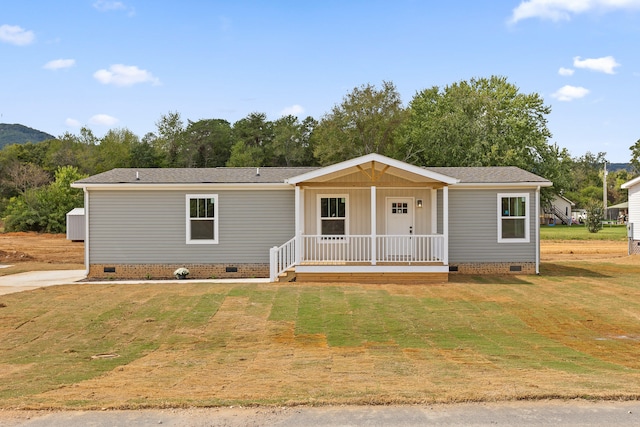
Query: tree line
[[480, 122]]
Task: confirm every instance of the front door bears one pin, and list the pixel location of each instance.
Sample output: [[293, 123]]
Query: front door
[[399, 217]]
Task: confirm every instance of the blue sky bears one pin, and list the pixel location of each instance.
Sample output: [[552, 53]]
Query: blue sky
[[123, 64]]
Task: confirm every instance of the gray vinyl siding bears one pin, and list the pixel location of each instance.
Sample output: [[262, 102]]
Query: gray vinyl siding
[[144, 227], [473, 228], [634, 210]]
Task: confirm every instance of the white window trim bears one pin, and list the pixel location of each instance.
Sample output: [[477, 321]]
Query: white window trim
[[526, 217], [216, 219], [319, 198]]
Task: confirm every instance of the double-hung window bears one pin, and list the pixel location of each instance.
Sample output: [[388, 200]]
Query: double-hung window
[[202, 218], [513, 217], [332, 215]]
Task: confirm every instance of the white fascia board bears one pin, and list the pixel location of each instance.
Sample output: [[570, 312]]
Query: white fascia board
[[373, 157], [631, 183], [199, 186]]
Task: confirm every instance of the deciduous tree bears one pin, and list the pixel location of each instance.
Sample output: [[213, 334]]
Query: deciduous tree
[[481, 122], [367, 121]]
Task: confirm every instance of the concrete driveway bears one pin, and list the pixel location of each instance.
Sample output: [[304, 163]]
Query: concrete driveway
[[37, 279]]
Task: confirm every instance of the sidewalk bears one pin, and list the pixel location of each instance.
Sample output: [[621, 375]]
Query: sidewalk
[[37, 279]]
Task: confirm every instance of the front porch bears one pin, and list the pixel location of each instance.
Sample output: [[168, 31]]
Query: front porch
[[372, 219], [362, 258]]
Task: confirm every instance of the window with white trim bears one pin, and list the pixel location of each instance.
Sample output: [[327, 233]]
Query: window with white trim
[[332, 215], [513, 217], [202, 218]]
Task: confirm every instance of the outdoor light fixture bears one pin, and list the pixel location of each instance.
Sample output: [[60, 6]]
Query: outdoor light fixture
[[419, 203]]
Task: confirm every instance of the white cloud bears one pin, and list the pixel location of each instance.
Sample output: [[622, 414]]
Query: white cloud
[[561, 10], [57, 64], [103, 120], [565, 71], [125, 75], [569, 93], [109, 6], [605, 64], [14, 34], [72, 123], [294, 110]]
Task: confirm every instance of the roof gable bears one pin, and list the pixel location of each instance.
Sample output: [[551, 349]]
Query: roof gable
[[631, 183], [348, 166]]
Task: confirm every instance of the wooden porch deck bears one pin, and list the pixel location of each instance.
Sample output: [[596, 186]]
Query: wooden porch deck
[[364, 272]]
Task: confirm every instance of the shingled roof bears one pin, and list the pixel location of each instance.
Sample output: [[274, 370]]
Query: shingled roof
[[267, 175], [489, 174], [273, 175]]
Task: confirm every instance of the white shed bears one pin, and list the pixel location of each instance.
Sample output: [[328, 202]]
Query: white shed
[[633, 224], [75, 225]]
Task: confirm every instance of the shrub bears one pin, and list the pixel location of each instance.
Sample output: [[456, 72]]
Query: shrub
[[595, 215]]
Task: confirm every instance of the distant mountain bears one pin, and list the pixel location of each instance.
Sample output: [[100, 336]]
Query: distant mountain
[[19, 134], [613, 167]]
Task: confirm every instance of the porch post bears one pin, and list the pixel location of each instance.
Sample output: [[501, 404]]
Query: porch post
[[445, 223], [298, 220], [373, 225]]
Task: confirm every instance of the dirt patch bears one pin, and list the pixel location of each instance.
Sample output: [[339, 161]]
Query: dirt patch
[[44, 248], [56, 249], [577, 250]]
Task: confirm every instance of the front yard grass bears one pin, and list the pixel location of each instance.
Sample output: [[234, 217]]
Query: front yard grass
[[581, 232], [573, 331]]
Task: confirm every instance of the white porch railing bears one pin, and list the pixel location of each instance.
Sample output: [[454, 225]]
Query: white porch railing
[[323, 249], [281, 259], [333, 249], [358, 249]]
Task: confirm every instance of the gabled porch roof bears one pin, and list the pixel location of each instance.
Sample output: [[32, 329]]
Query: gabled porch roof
[[373, 166]]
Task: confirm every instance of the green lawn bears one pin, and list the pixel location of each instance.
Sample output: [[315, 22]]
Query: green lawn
[[573, 331], [580, 232]]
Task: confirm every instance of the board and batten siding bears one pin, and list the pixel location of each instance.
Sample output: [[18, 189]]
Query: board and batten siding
[[359, 209], [473, 228], [145, 227]]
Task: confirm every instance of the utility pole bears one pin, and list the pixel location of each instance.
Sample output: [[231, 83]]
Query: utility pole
[[604, 190]]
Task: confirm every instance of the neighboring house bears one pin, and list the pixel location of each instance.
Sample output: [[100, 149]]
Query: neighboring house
[[618, 213], [370, 219], [633, 220], [560, 210]]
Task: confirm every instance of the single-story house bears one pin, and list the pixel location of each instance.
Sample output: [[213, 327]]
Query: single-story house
[[559, 210], [368, 219], [633, 220]]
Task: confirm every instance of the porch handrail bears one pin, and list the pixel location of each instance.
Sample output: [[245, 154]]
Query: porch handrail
[[410, 248], [336, 248], [281, 259]]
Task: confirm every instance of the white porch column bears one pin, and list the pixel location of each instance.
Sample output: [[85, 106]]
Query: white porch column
[[445, 223], [374, 222], [298, 221]]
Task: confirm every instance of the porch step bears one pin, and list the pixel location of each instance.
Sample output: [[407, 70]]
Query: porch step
[[374, 278], [287, 276]]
